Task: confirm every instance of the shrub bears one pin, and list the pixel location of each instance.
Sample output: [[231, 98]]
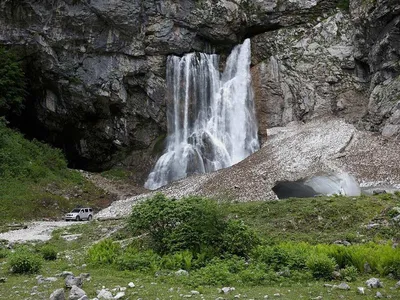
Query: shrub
[[292, 256], [3, 253], [238, 238], [215, 273], [24, 261], [178, 260], [349, 273], [257, 274], [321, 266], [133, 260], [49, 252], [104, 252], [175, 225]]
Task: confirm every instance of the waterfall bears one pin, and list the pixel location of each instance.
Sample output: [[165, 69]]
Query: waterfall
[[211, 119]]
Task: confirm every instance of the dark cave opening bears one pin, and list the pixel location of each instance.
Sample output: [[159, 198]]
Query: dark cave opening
[[290, 189]]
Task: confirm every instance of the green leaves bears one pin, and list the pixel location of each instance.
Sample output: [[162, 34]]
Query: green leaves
[[175, 225], [12, 83], [23, 260], [22, 159]]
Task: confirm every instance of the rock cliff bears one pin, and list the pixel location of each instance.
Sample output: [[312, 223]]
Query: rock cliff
[[97, 68]]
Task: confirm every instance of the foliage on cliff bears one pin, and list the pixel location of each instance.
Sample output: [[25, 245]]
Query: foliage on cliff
[[12, 82], [35, 180]]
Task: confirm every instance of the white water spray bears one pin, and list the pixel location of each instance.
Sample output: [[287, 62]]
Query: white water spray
[[211, 119]]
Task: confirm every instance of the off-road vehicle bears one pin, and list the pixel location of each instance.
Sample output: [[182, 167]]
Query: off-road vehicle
[[82, 213]]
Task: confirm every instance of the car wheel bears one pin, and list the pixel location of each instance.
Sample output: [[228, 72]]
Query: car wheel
[[66, 220], [78, 218], [89, 218]]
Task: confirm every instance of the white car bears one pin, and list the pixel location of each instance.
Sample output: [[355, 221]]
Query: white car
[[77, 214]]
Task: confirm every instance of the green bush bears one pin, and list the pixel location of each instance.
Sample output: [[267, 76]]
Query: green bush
[[214, 273], [238, 238], [104, 252], [49, 252], [4, 253], [24, 260], [175, 225], [321, 266], [349, 273], [178, 260], [132, 260], [279, 257]]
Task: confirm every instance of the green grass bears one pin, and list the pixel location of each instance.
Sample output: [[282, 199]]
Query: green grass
[[36, 183], [290, 244], [320, 219]]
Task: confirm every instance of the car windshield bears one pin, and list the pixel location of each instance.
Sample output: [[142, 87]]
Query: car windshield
[[76, 210]]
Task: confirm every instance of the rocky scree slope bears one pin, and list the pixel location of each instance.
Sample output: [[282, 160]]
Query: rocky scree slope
[[291, 153]]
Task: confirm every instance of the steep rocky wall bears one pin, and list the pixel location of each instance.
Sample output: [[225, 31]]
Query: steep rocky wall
[[345, 64], [377, 44], [97, 68]]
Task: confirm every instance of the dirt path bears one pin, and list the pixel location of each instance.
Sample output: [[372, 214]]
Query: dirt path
[[36, 231]]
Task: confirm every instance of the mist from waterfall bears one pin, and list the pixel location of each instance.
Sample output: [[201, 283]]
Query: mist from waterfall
[[211, 118]]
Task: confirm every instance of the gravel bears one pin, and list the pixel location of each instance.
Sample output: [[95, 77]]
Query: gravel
[[36, 231]]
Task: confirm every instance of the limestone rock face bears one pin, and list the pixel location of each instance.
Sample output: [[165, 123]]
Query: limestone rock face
[[96, 69], [377, 45], [304, 72]]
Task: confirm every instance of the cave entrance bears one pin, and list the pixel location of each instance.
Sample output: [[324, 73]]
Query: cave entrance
[[291, 189], [319, 184]]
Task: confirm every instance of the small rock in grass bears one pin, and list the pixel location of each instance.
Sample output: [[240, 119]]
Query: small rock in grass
[[397, 285], [367, 268], [119, 295], [182, 273], [71, 280], [317, 298], [41, 279], [76, 293], [277, 295], [378, 295], [227, 289], [195, 292], [131, 284], [236, 296], [336, 275], [65, 274], [373, 283], [361, 290], [57, 295], [342, 286], [3, 279], [104, 294]]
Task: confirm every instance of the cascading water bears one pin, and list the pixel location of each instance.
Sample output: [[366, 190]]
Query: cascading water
[[211, 119]]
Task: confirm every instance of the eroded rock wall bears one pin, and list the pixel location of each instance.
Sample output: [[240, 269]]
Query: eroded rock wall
[[97, 68]]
